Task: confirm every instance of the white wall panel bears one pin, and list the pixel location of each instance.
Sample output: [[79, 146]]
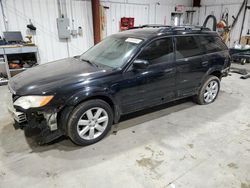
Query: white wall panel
[[144, 11], [163, 2], [43, 14], [118, 10], [163, 14], [220, 2]]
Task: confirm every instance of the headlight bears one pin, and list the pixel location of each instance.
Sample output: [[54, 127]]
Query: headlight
[[27, 102]]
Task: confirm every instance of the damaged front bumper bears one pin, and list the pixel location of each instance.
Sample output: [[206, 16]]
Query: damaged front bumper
[[34, 119], [45, 121]]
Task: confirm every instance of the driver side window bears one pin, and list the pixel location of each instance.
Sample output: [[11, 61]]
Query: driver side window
[[158, 51]]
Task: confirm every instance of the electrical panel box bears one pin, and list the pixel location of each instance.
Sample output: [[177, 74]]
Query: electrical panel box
[[63, 28]]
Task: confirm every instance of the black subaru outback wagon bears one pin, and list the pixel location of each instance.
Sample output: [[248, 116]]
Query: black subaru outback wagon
[[82, 97]]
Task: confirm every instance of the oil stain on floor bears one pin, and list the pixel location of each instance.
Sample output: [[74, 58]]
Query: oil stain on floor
[[232, 165], [152, 162]]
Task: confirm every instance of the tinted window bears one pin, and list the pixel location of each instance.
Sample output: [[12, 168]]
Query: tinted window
[[186, 46], [212, 44], [159, 51]]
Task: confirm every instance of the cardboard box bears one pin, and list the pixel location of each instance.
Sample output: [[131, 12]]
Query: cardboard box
[[245, 40]]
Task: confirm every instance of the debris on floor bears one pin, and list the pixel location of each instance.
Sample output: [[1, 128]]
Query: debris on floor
[[238, 71], [245, 76]]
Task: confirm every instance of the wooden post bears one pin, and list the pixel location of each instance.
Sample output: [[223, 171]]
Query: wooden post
[[96, 20]]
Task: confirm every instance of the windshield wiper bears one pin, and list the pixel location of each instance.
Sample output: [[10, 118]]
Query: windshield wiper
[[89, 62]]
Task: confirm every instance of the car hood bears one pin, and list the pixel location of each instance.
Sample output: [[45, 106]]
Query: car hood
[[50, 77]]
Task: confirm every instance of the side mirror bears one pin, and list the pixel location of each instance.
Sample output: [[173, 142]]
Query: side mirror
[[140, 64]]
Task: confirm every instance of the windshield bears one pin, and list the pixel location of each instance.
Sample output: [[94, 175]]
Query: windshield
[[112, 51]]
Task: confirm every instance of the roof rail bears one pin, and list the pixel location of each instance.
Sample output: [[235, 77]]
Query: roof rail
[[185, 28], [191, 27], [173, 28], [152, 26]]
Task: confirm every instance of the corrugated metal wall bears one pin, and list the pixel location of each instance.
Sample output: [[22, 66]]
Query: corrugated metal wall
[[117, 10], [144, 12], [163, 14], [43, 14], [217, 8]]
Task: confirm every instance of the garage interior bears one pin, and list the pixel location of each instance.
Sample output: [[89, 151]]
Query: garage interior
[[178, 144]]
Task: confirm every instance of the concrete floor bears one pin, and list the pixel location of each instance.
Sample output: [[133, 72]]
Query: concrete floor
[[184, 145]]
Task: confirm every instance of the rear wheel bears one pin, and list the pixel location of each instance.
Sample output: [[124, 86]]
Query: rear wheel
[[208, 91], [243, 61], [90, 122]]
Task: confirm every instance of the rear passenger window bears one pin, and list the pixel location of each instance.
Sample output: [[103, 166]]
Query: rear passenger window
[[159, 51], [212, 44], [186, 46]]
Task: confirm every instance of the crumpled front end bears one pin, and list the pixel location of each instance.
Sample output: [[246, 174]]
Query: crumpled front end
[[45, 120]]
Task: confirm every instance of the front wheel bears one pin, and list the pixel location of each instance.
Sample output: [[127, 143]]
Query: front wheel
[[208, 91], [90, 122]]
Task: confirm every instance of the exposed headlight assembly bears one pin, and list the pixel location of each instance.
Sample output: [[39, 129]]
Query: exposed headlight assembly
[[27, 102]]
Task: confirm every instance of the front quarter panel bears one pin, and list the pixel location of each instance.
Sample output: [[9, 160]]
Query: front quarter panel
[[86, 93]]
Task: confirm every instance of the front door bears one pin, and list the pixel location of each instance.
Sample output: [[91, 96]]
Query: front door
[[142, 88]]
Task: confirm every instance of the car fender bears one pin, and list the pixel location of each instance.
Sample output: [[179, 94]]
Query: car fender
[[217, 68], [88, 92], [94, 92]]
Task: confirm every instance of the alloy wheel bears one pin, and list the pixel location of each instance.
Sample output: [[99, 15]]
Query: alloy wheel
[[92, 123], [211, 91]]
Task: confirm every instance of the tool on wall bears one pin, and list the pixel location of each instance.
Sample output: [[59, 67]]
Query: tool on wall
[[30, 33], [223, 27], [243, 21], [235, 19], [30, 26], [209, 17]]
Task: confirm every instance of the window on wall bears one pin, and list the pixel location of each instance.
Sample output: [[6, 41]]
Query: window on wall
[[212, 44], [159, 51], [186, 46]]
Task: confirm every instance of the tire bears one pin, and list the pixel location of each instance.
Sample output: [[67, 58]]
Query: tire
[[243, 61], [84, 128], [203, 99]]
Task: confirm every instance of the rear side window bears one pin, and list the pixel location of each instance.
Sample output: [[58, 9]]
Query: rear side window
[[159, 51], [186, 46], [212, 44]]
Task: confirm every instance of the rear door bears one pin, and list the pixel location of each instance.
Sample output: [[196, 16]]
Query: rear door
[[191, 64], [216, 51]]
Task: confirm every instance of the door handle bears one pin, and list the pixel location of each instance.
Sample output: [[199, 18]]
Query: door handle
[[204, 63], [168, 70]]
